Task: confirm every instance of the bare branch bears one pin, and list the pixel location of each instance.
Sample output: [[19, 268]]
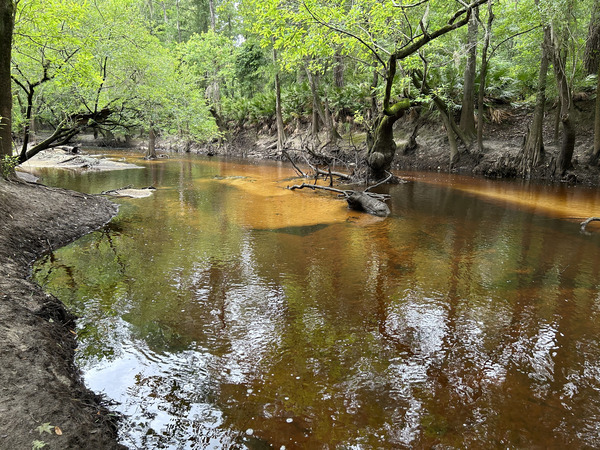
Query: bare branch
[[412, 5], [380, 183], [512, 37], [452, 25], [325, 188], [586, 222], [347, 33]]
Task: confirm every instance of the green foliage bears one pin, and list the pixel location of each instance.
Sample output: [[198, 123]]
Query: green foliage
[[297, 100], [45, 428], [249, 64], [8, 164], [162, 63], [259, 108], [84, 57]]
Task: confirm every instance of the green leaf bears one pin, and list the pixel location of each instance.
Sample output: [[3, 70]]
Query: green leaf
[[45, 428]]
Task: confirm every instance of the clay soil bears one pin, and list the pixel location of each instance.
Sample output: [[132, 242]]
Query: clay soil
[[42, 396]]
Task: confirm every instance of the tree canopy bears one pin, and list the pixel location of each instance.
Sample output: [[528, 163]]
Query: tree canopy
[[198, 68]]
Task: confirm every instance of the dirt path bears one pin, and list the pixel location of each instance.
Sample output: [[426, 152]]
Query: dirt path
[[42, 397]]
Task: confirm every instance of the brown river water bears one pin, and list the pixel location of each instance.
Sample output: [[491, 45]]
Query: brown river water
[[228, 312]]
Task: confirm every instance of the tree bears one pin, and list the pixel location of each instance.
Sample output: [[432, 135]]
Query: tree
[[560, 35], [387, 33], [592, 66], [95, 65], [532, 152], [382, 151], [6, 29], [467, 114], [483, 75]]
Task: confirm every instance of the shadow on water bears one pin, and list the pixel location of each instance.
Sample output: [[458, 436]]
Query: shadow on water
[[299, 230], [228, 312]]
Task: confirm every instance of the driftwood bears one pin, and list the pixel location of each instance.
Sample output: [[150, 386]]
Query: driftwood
[[130, 191], [587, 221], [340, 175], [368, 202]]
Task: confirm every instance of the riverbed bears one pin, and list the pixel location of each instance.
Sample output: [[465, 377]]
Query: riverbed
[[226, 311]]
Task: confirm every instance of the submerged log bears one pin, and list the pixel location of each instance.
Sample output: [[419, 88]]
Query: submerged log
[[362, 201], [368, 202]]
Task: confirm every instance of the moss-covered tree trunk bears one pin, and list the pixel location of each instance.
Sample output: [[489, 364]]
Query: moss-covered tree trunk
[[382, 147], [6, 29], [532, 152], [595, 157]]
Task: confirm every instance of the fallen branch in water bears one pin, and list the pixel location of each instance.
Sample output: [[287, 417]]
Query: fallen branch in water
[[340, 175], [296, 168], [112, 191], [369, 202], [587, 221], [390, 176]]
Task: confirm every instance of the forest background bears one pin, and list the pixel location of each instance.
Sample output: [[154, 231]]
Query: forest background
[[363, 81]]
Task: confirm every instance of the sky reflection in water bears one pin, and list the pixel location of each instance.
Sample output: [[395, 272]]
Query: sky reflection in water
[[226, 311]]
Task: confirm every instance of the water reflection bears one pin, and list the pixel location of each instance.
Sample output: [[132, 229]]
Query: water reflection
[[228, 312]]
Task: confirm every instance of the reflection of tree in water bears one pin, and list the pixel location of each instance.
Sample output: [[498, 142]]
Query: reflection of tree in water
[[426, 329]]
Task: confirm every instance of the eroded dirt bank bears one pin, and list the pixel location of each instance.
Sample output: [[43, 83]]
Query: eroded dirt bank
[[40, 387]]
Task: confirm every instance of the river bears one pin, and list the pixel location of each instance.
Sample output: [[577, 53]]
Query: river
[[226, 311]]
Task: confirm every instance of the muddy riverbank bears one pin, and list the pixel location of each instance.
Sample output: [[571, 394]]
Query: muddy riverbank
[[42, 397]]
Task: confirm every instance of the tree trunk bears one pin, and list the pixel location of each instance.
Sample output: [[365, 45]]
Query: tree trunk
[[592, 65], [483, 78], [211, 9], [26, 129], [451, 128], [596, 150], [467, 115], [281, 138], [373, 110], [315, 121], [454, 155], [338, 71], [568, 145], [334, 136], [6, 29], [322, 109], [532, 152], [557, 121], [317, 113], [165, 17], [382, 147], [151, 152], [178, 23]]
